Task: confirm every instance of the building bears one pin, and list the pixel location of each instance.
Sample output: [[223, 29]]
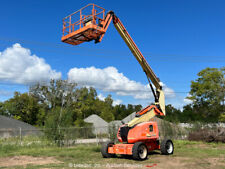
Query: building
[[100, 125], [10, 127]]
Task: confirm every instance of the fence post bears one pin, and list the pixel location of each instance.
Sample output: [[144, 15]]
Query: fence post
[[96, 138], [20, 136]]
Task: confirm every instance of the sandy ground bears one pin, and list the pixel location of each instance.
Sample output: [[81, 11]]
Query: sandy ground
[[169, 162], [25, 160], [160, 162]]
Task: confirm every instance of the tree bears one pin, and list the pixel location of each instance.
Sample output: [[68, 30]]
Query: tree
[[23, 107], [121, 111], [107, 109], [190, 114], [172, 114], [56, 121], [3, 111], [222, 117], [58, 93], [137, 107], [48, 104], [207, 93]]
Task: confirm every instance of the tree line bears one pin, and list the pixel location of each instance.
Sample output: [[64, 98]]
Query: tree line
[[64, 104], [61, 103], [207, 94]]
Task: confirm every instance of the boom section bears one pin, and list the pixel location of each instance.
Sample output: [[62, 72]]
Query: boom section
[[136, 52]]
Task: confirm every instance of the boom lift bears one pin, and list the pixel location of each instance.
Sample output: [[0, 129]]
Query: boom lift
[[140, 135]]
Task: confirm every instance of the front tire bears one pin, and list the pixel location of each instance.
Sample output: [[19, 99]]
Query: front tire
[[104, 149], [139, 151], [167, 147]]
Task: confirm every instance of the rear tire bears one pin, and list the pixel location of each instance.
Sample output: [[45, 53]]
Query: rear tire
[[139, 151], [104, 150], [167, 147]]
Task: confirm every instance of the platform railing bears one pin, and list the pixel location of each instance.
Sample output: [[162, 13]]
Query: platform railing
[[94, 11]]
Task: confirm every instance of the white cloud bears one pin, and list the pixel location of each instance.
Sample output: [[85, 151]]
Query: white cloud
[[115, 102], [5, 93], [110, 80], [179, 102], [18, 65], [187, 101], [101, 97]]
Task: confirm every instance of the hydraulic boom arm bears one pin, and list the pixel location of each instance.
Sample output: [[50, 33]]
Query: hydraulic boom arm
[[158, 94]]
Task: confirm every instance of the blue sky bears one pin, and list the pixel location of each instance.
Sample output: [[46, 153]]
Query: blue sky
[[178, 38]]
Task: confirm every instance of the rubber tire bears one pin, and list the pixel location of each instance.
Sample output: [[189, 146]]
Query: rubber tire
[[163, 147], [104, 150], [135, 151]]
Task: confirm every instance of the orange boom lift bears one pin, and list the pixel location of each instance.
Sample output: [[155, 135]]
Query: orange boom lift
[[140, 135]]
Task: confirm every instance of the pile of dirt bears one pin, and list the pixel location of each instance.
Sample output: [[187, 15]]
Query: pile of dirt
[[208, 135], [26, 160]]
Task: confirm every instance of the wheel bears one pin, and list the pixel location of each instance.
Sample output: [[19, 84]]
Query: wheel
[[139, 151], [167, 147], [104, 150]]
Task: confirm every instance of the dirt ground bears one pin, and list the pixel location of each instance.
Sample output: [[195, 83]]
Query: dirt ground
[[25, 160], [161, 162], [196, 155], [169, 162]]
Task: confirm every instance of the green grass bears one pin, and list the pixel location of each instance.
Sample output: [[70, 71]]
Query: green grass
[[90, 153], [199, 149]]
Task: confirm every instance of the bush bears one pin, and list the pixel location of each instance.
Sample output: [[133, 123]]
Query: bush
[[113, 132], [207, 134], [56, 120]]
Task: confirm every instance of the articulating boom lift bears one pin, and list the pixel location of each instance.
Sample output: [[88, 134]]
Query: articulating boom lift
[[140, 135]]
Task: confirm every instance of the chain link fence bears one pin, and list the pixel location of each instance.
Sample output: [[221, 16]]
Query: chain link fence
[[50, 136], [84, 135]]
